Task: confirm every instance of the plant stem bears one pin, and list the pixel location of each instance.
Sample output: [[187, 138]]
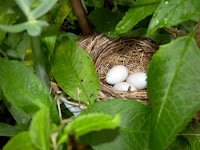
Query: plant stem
[[81, 16], [39, 61]]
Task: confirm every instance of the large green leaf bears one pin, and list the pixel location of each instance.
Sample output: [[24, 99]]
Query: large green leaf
[[8, 130], [172, 12], [40, 130], [19, 142], [194, 140], [22, 88], [136, 13], [173, 89], [133, 131], [73, 69], [84, 124], [105, 21]]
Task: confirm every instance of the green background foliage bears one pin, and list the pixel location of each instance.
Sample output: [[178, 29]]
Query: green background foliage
[[37, 47]]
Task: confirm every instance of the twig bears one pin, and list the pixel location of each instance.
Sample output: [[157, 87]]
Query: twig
[[59, 109], [66, 121], [175, 33], [2, 52], [81, 16]]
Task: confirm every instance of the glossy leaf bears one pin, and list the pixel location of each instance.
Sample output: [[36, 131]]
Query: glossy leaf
[[105, 21], [191, 130], [135, 14], [40, 130], [73, 69], [172, 12], [173, 89], [19, 142], [84, 124], [133, 131], [22, 88], [8, 130]]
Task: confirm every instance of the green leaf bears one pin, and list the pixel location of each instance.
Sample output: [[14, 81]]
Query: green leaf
[[24, 5], [40, 130], [135, 14], [125, 2], [19, 142], [73, 69], [172, 12], [60, 11], [194, 140], [179, 144], [42, 8], [5, 18], [84, 124], [133, 131], [33, 27], [98, 3], [20, 117], [173, 89], [8, 130], [54, 113], [23, 46], [105, 21], [22, 88], [50, 42]]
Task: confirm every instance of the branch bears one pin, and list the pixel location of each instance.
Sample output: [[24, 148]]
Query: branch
[[81, 16]]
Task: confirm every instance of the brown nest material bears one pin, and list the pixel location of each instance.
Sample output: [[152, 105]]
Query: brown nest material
[[134, 53]]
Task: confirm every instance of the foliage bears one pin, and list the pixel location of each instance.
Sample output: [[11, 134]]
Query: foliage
[[34, 52], [74, 70]]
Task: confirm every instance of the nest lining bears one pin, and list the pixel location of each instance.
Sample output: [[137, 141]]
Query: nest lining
[[134, 53]]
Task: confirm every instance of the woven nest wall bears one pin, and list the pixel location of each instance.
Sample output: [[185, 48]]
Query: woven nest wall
[[134, 53]]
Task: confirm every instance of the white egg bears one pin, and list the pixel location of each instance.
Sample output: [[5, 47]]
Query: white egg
[[124, 86], [117, 74], [138, 80]]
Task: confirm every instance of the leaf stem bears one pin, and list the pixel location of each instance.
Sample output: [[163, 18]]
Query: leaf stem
[[39, 61], [81, 16]]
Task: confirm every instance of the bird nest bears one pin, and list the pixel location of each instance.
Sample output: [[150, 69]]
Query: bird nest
[[134, 53]]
